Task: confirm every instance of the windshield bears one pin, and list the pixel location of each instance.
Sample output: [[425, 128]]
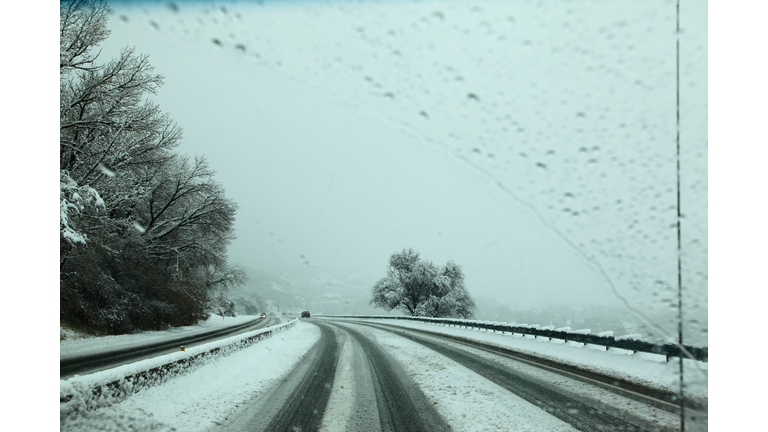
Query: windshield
[[532, 141], [555, 151]]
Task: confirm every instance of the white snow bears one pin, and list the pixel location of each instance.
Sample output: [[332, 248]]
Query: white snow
[[636, 336], [643, 368], [82, 384], [197, 400], [341, 404], [75, 346], [468, 401], [204, 397]]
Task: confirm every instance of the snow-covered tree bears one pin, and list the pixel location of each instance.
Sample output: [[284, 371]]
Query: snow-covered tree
[[75, 199], [144, 231], [420, 288]]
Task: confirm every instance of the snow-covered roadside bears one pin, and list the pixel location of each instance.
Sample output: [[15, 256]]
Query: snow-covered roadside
[[646, 369], [580, 390], [132, 376], [78, 346], [468, 401], [204, 397]]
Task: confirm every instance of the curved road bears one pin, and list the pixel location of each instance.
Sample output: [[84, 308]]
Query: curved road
[[348, 381], [385, 398], [380, 394], [82, 365], [583, 413]]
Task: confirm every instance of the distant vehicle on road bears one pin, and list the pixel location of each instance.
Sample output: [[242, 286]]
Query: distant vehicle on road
[[305, 314], [263, 315]]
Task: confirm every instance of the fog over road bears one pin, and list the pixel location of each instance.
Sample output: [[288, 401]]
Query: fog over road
[[350, 381]]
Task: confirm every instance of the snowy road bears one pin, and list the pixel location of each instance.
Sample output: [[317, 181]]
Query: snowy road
[[580, 402], [379, 394], [342, 375], [85, 363], [384, 398]]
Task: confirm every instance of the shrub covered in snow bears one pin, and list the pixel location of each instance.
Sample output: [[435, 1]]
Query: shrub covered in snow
[[74, 200]]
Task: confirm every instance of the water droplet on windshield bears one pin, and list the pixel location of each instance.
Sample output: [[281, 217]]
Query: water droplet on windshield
[[107, 170]]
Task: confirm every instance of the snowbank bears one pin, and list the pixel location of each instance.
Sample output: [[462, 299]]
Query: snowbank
[[90, 391], [646, 369]]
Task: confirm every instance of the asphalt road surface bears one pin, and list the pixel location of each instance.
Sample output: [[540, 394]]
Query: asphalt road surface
[[383, 397], [348, 381], [82, 365], [583, 413]]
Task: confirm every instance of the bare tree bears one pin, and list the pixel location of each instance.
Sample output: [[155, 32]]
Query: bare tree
[[83, 25]]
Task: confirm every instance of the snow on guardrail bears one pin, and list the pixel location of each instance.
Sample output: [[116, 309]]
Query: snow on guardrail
[[628, 342], [82, 392]]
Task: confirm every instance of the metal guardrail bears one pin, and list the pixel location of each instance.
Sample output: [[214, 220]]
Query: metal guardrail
[[119, 389], [668, 349], [82, 365]]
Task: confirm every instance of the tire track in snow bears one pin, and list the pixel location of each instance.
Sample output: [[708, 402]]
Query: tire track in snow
[[581, 413], [401, 404], [653, 397], [304, 408], [382, 396], [299, 401], [352, 405]]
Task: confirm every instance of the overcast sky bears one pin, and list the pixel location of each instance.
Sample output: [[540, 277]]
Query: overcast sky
[[532, 143]]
